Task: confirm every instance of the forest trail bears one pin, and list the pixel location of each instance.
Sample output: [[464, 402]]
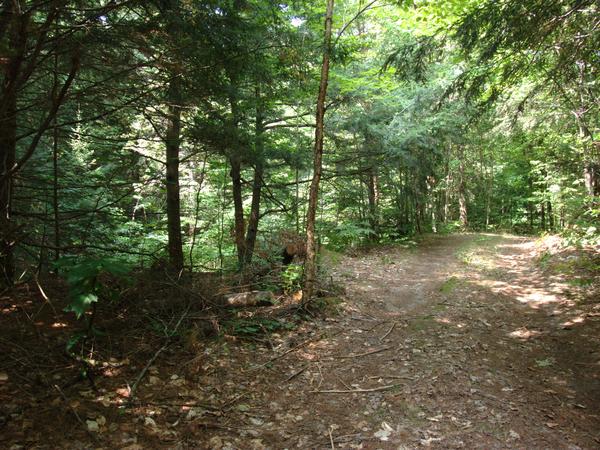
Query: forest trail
[[400, 280], [460, 342]]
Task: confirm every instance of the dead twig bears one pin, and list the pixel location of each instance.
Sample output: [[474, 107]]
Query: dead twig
[[295, 374], [388, 332], [75, 413], [356, 391], [44, 296], [190, 404], [296, 347], [322, 378], [394, 377], [230, 402], [347, 437], [142, 374], [369, 319], [378, 324], [331, 439], [344, 383], [215, 425], [359, 355], [339, 440]]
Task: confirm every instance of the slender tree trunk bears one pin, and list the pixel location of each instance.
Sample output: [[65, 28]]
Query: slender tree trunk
[[257, 182], [235, 162], [488, 203], [591, 165], [591, 175], [562, 217], [418, 215], [55, 170], [297, 204], [462, 204], [462, 198], [362, 205], [530, 205], [397, 188], [16, 27], [407, 202], [173, 143], [431, 182], [254, 217], [197, 212], [447, 190], [436, 211], [222, 221], [543, 216], [8, 144], [310, 266], [591, 150], [550, 215], [238, 207], [373, 185]]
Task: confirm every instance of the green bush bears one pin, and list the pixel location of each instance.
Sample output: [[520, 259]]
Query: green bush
[[85, 287], [291, 277]]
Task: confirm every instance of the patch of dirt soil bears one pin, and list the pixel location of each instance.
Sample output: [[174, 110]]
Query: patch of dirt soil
[[466, 341]]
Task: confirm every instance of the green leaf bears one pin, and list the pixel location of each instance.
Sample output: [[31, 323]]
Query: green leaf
[[73, 340], [81, 303]]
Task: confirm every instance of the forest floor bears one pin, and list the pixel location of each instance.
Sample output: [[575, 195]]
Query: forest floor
[[462, 341]]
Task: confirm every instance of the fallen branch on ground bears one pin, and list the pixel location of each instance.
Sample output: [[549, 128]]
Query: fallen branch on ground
[[395, 377], [372, 352], [295, 374], [74, 411], [142, 374], [378, 324], [356, 391], [388, 332], [296, 347]]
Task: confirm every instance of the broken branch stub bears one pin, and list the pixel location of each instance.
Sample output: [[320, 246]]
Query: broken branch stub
[[250, 298]]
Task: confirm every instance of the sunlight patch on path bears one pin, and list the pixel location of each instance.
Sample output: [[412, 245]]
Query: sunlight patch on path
[[518, 280]]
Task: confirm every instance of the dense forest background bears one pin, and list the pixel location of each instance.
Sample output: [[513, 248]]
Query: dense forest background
[[182, 133]]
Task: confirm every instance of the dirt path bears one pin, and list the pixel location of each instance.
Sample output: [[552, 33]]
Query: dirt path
[[400, 280], [461, 342]]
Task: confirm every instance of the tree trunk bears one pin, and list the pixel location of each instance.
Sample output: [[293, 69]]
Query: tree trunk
[[530, 205], [16, 27], [550, 215], [417, 215], [431, 182], [8, 145], [447, 190], [235, 152], [257, 183], [310, 265], [373, 202], [222, 220], [55, 170], [254, 216], [238, 206], [462, 198], [362, 204], [591, 147], [543, 216], [173, 143], [297, 203], [591, 175], [200, 181], [488, 200], [591, 168]]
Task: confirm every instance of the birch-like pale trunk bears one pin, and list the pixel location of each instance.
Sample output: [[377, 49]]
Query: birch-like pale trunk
[[310, 264]]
